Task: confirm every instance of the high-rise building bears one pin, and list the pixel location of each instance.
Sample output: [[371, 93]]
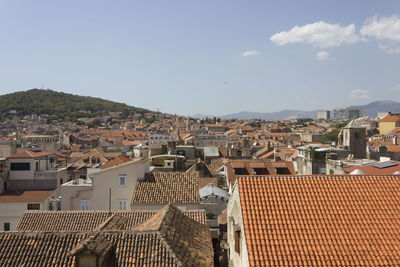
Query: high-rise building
[[324, 115], [347, 113]]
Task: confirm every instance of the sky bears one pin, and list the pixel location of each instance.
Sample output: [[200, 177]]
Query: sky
[[205, 57]]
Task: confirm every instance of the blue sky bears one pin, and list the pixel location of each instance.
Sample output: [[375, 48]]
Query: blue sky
[[209, 57]]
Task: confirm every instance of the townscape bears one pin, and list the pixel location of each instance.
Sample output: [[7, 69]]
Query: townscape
[[145, 188], [206, 133]]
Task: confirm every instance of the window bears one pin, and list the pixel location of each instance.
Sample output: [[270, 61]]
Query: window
[[122, 204], [260, 171], [237, 241], [283, 171], [240, 171], [6, 226], [84, 204], [33, 206], [20, 166], [37, 166], [122, 180], [61, 181]]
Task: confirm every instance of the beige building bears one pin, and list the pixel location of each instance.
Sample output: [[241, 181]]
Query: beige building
[[388, 123], [106, 189]]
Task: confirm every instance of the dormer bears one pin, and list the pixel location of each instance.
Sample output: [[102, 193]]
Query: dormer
[[94, 251]]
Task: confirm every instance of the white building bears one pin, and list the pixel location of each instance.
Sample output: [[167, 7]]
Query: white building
[[14, 203]]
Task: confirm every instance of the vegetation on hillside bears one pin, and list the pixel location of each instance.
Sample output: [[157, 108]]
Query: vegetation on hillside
[[60, 105]]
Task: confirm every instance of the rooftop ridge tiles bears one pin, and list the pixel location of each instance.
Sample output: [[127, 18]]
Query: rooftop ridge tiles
[[114, 220]]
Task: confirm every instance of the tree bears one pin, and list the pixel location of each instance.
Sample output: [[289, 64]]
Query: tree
[[331, 136]]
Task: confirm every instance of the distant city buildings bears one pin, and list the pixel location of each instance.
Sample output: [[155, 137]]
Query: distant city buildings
[[347, 113], [324, 115], [111, 176]]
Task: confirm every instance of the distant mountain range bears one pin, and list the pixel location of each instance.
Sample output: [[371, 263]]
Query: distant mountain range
[[369, 110]]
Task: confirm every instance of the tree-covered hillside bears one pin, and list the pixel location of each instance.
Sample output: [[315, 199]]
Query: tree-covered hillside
[[61, 105]]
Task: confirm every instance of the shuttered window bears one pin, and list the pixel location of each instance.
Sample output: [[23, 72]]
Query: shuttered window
[[237, 242]]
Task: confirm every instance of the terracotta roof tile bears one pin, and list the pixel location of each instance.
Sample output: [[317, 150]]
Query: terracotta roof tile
[[390, 118], [167, 239], [371, 170], [167, 187], [115, 162], [321, 220], [88, 220], [26, 196]]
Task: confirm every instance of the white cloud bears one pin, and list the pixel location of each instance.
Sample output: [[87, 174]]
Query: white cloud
[[250, 53], [323, 55], [390, 48], [320, 34], [386, 30], [359, 93], [396, 88]]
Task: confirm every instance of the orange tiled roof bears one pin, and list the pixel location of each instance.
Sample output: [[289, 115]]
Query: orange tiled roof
[[371, 170], [342, 220], [26, 196], [394, 148], [390, 118], [115, 162]]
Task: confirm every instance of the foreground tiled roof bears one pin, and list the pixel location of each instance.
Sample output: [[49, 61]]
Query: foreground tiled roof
[[88, 220], [50, 249], [167, 187], [168, 239], [342, 220], [188, 238]]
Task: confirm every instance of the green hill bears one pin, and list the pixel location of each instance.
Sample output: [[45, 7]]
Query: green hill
[[60, 105]]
